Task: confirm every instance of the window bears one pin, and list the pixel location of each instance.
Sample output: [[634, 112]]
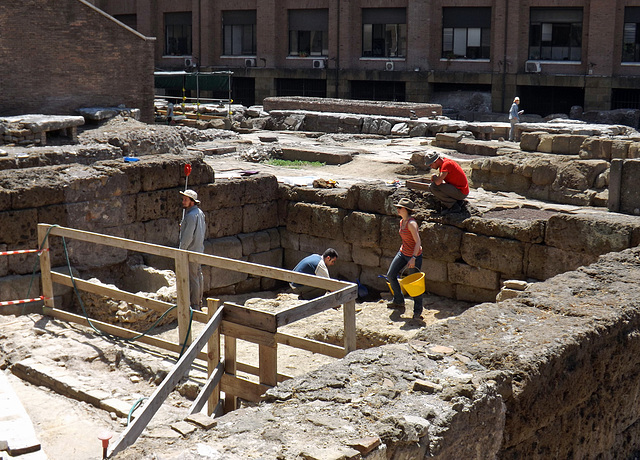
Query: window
[[309, 32], [384, 32], [555, 34], [631, 35], [239, 33], [177, 32], [466, 33]]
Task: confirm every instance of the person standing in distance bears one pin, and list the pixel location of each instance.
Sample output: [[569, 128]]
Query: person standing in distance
[[514, 117], [192, 230], [315, 264]]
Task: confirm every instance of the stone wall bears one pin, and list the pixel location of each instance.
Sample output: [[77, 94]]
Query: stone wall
[[465, 259], [61, 56]]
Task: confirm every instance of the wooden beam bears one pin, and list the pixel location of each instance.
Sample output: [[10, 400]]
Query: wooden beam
[[254, 370], [114, 293], [313, 346], [229, 329], [134, 430], [267, 271], [45, 266], [268, 359], [245, 389], [230, 400], [256, 319], [209, 389], [350, 333], [314, 306], [118, 331], [182, 294], [213, 357], [113, 241]]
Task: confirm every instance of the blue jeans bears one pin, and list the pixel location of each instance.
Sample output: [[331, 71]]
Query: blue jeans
[[397, 264]]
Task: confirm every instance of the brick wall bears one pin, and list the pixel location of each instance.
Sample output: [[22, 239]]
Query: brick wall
[[63, 55]]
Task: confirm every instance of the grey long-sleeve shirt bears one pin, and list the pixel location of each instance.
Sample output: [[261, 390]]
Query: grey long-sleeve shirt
[[192, 230]]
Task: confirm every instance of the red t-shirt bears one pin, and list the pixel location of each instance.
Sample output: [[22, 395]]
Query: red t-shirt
[[455, 176]]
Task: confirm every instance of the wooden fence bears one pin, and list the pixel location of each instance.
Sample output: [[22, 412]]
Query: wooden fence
[[229, 320]]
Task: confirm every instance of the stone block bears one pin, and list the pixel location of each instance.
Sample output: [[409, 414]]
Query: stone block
[[529, 141], [434, 270], [83, 255], [155, 205], [367, 256], [544, 262], [260, 188], [440, 288], [440, 242], [299, 217], [575, 143], [369, 276], [346, 271], [546, 143], [593, 235], [160, 174], [317, 245], [18, 226], [225, 222], [274, 238], [259, 216], [543, 173], [289, 240], [98, 214], [224, 193], [255, 242], [389, 237], [475, 294], [528, 231], [271, 258], [632, 153], [362, 229], [4, 262], [160, 231], [326, 221], [626, 185], [561, 144], [497, 254], [620, 149], [375, 199], [473, 276]]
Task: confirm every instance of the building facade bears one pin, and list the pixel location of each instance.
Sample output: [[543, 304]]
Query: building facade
[[553, 54]]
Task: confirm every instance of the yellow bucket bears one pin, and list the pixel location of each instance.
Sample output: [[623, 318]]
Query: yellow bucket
[[413, 284], [402, 289]]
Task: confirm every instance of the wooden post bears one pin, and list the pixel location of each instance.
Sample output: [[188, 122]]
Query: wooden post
[[350, 337], [230, 401], [183, 298], [268, 359], [213, 356], [45, 267]]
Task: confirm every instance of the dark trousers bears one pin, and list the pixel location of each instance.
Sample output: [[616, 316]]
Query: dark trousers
[[397, 265]]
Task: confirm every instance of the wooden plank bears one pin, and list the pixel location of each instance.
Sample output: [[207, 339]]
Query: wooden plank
[[350, 334], [314, 306], [313, 346], [45, 266], [230, 400], [114, 241], [245, 389], [213, 357], [134, 430], [418, 184], [268, 359], [245, 316], [209, 389], [182, 294], [114, 293], [118, 331], [267, 271], [250, 334]]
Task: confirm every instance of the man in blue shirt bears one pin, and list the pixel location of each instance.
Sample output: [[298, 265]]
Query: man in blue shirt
[[192, 230], [315, 264]]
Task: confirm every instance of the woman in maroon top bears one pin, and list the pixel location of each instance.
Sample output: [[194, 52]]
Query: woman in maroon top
[[409, 255]]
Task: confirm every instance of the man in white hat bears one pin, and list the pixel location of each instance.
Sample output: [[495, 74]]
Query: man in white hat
[[192, 230]]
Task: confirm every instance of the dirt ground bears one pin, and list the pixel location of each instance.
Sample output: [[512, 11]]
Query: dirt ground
[[68, 428]]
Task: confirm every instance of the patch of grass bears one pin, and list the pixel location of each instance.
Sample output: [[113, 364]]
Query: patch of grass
[[295, 164]]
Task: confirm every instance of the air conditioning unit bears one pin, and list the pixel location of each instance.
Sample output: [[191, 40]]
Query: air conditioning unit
[[188, 62], [318, 63], [250, 62], [532, 67], [389, 66]]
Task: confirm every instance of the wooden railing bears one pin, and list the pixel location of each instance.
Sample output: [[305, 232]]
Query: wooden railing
[[229, 320]]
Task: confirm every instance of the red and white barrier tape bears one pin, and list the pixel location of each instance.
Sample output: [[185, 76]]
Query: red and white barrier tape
[[17, 302], [22, 251]]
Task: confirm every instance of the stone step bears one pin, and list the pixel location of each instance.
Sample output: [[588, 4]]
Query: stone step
[[17, 435]]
